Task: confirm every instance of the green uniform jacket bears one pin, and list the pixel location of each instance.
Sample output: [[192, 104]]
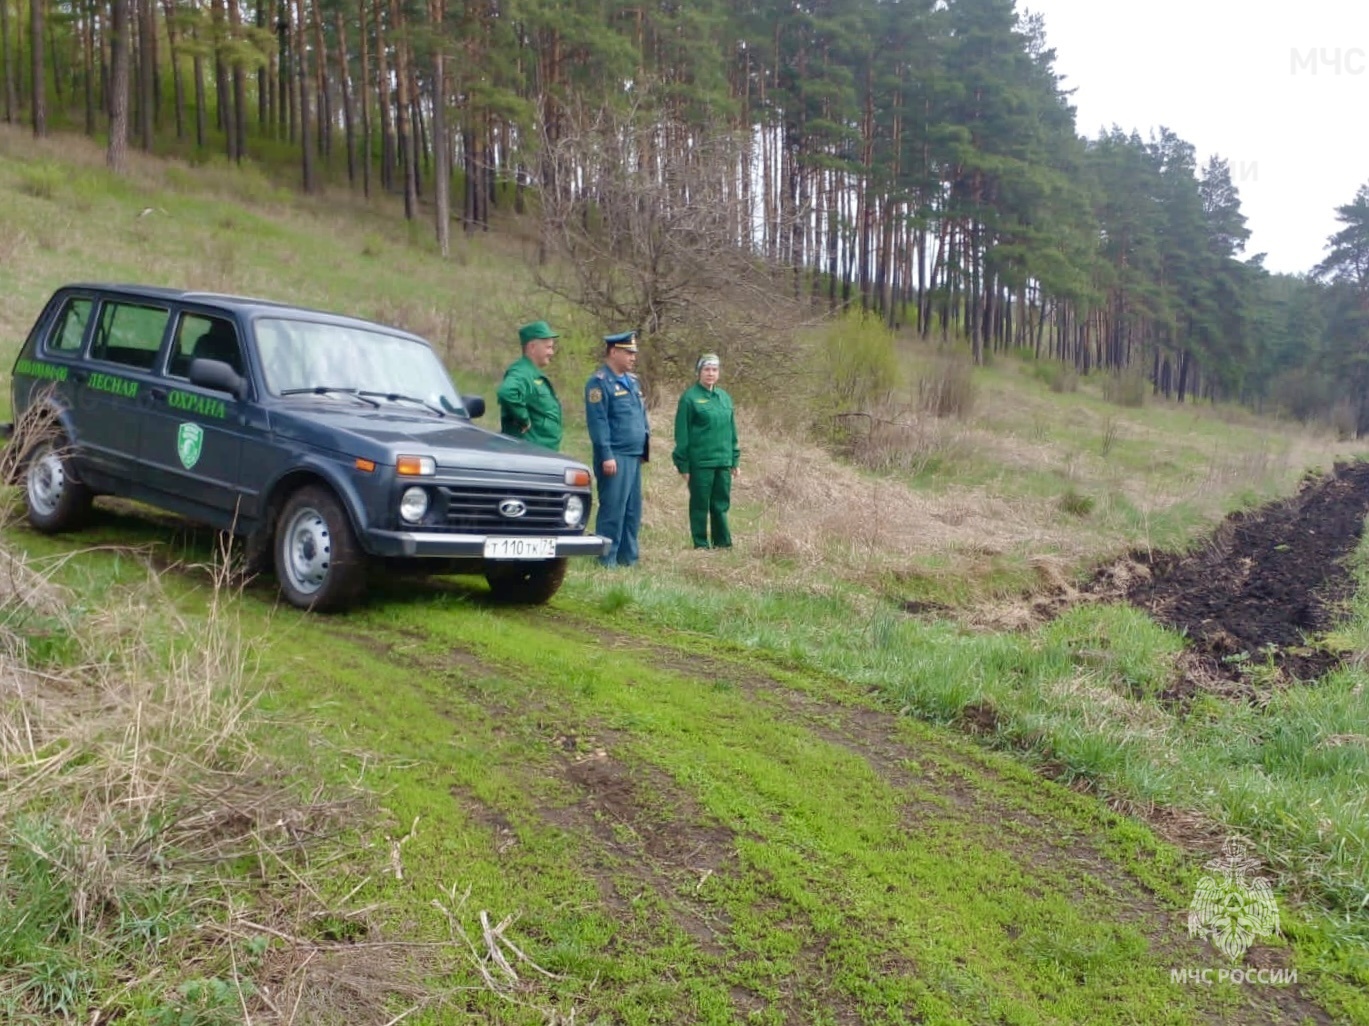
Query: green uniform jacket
[[528, 407], [705, 430]]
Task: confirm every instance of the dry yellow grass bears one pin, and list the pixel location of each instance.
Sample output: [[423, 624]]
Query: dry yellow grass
[[797, 502]]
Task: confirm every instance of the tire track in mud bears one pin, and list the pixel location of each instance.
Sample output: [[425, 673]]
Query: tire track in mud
[[851, 719], [645, 835]]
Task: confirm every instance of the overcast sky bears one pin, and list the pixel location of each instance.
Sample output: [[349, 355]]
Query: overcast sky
[[1281, 90]]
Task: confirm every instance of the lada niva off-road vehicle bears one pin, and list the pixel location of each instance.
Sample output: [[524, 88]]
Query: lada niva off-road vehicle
[[327, 442]]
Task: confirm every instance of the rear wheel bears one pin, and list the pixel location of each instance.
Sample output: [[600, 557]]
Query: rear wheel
[[319, 564], [57, 501], [528, 584]]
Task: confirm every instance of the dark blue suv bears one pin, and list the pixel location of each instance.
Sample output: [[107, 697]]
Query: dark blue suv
[[328, 443]]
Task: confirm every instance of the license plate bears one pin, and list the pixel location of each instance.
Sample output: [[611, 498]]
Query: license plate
[[520, 548]]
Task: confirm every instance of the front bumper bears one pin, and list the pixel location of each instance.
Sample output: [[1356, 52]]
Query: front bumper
[[440, 544]]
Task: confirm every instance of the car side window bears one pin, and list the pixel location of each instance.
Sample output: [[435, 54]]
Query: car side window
[[70, 330], [204, 338], [129, 333]]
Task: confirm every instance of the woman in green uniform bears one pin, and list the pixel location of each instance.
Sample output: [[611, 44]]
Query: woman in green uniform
[[707, 454]]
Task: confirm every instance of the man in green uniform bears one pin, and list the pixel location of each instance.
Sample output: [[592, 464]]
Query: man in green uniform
[[528, 407]]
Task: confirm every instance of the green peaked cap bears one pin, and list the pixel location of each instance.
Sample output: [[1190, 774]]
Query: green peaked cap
[[537, 329]]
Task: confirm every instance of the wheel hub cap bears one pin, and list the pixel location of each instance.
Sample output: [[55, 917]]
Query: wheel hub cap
[[46, 483], [309, 551]]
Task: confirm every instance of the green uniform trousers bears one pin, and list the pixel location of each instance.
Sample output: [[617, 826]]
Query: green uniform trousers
[[710, 497]]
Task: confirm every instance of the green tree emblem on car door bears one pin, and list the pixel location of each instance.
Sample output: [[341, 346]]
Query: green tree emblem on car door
[[189, 442]]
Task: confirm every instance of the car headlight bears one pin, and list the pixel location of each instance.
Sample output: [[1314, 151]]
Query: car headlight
[[413, 504], [575, 510]]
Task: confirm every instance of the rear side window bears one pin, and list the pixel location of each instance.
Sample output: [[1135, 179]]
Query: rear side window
[[129, 334], [204, 338], [70, 329]]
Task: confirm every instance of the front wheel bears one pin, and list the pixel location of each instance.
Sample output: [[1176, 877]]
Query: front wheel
[[319, 564], [527, 584], [56, 500]]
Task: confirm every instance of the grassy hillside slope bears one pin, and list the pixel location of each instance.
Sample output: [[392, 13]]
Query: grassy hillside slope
[[733, 787]]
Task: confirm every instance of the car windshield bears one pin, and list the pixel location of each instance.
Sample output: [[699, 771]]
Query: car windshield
[[298, 355]]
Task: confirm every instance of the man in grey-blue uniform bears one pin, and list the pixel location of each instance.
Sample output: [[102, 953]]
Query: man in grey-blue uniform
[[616, 414]]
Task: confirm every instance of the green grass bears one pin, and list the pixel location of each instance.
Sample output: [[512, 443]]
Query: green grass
[[821, 863]]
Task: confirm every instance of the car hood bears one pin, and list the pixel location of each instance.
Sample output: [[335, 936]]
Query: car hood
[[385, 433]]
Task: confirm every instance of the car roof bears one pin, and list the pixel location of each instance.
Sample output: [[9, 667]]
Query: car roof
[[246, 306]]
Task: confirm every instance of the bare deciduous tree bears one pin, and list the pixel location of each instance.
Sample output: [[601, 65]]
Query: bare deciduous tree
[[657, 244]]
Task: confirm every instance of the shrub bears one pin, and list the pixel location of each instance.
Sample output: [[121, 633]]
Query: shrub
[[1109, 439], [41, 181], [1076, 503], [857, 364], [1343, 420], [1058, 377], [888, 440], [1126, 387], [949, 389]]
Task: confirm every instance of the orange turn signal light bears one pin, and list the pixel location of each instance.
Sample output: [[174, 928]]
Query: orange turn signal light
[[416, 466], [365, 465], [577, 477]]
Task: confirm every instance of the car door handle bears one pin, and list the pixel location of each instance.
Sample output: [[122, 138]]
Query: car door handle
[[158, 393], [79, 376]]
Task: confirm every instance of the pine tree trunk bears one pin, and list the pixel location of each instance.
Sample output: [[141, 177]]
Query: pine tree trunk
[[147, 64], [403, 132], [264, 76], [7, 56], [387, 141], [282, 90], [345, 80], [239, 76], [201, 101], [549, 64], [468, 190], [365, 103], [324, 87], [40, 92], [223, 98], [886, 261], [88, 63], [116, 156], [441, 145], [306, 148], [177, 78], [56, 66], [833, 237], [418, 128]]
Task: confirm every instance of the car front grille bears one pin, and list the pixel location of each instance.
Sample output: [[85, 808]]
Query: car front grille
[[476, 510]]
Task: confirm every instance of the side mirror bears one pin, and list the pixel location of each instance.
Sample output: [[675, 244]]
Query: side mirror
[[475, 405], [217, 375]]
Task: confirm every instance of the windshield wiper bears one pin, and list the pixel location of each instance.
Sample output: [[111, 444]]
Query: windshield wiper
[[330, 390], [398, 397]]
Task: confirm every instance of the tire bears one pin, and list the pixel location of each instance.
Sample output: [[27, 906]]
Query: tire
[[526, 584], [319, 564], [57, 501]]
